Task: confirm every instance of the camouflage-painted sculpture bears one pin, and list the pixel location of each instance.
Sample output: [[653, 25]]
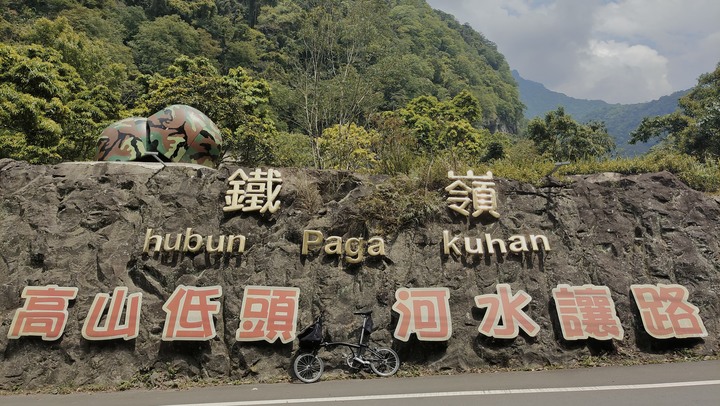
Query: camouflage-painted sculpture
[[178, 133]]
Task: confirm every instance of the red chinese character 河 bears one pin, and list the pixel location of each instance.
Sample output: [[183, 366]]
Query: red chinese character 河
[[509, 307], [666, 313], [587, 311], [425, 312], [113, 327], [189, 313], [44, 312], [268, 313]]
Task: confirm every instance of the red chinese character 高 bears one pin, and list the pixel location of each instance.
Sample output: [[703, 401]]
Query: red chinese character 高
[[44, 312]]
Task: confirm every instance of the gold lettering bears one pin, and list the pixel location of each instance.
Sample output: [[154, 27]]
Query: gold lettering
[[469, 249], [219, 248], [449, 244], [354, 250], [534, 239], [334, 245], [311, 239], [196, 238], [376, 246], [231, 243], [166, 243], [491, 244], [518, 243], [148, 238]]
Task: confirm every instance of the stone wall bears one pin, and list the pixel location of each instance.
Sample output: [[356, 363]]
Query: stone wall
[[84, 225]]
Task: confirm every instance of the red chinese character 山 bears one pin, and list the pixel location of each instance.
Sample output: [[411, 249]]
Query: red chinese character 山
[[190, 313], [425, 312], [587, 311], [114, 326], [44, 312], [509, 307], [666, 312], [268, 313]]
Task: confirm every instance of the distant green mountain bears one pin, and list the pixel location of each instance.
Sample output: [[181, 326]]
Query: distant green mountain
[[620, 119]]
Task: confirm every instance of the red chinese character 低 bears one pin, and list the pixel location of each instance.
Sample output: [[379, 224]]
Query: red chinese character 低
[[44, 312], [190, 313], [425, 312], [268, 313], [666, 312]]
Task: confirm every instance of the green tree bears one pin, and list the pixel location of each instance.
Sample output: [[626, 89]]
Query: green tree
[[452, 125], [695, 129], [397, 147], [159, 42], [47, 112], [97, 61], [327, 77], [348, 147], [236, 102], [564, 139]]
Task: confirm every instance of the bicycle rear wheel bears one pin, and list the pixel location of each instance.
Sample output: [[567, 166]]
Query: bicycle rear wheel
[[384, 361], [308, 367]]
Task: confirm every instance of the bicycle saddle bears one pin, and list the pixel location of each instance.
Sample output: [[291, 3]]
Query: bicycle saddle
[[367, 313]]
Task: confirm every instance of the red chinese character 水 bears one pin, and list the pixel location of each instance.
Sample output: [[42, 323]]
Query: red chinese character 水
[[44, 312], [509, 307], [190, 313], [666, 312], [268, 313], [587, 311], [425, 312], [114, 326]]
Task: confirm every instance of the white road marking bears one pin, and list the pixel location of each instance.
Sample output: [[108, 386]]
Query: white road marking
[[462, 393]]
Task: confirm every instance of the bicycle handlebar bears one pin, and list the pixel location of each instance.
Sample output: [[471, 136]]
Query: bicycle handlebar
[[364, 314]]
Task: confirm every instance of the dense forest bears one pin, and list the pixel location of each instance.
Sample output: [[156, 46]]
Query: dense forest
[[376, 86], [274, 75]]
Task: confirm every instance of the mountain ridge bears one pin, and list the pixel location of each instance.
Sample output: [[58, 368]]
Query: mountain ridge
[[620, 119]]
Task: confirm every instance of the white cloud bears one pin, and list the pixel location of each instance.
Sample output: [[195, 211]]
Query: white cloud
[[610, 68], [619, 51]]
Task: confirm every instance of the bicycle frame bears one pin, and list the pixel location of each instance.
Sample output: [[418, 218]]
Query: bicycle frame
[[308, 366]]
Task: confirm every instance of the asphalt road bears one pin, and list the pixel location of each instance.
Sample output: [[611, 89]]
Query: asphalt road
[[692, 383]]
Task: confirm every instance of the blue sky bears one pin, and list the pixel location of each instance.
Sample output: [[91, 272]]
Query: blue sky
[[622, 51]]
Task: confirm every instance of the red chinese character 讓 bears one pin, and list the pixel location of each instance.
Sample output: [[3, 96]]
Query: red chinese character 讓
[[587, 311]]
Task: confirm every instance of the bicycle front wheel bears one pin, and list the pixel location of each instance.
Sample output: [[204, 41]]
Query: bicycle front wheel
[[384, 362], [308, 367]]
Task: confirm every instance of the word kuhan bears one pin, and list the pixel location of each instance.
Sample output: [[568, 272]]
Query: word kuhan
[[486, 244]]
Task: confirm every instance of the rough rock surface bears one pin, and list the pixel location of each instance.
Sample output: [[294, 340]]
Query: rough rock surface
[[84, 224]]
